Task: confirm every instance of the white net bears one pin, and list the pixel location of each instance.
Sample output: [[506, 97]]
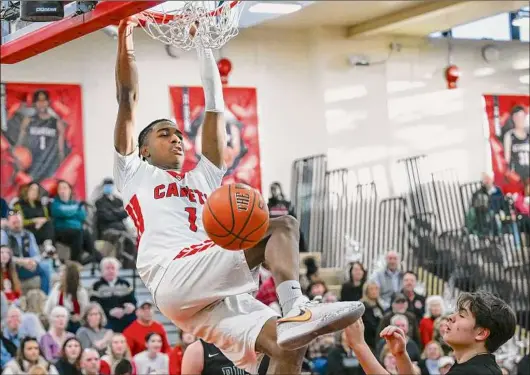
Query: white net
[[215, 22]]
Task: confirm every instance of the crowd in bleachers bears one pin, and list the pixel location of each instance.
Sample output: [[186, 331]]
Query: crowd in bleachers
[[52, 324]]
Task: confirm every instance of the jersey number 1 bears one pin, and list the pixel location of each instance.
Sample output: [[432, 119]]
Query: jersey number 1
[[192, 218]]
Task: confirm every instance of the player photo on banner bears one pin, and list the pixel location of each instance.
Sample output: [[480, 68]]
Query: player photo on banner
[[509, 140], [41, 137], [242, 155]]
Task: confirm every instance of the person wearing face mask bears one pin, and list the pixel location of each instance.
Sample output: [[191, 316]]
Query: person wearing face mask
[[110, 224], [279, 206]]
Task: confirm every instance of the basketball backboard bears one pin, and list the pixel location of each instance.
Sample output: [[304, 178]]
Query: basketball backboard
[[22, 40]]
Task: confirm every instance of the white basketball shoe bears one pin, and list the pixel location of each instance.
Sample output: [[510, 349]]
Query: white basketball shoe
[[310, 319]]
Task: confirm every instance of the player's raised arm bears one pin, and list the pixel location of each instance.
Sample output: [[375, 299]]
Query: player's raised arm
[[214, 126], [126, 89]]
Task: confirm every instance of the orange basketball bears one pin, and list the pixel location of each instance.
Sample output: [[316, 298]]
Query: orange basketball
[[235, 217]]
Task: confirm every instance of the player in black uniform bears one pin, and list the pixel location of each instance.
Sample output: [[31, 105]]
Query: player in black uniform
[[206, 359], [44, 136], [481, 324], [517, 144]]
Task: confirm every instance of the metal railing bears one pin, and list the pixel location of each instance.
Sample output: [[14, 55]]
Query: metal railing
[[427, 226]]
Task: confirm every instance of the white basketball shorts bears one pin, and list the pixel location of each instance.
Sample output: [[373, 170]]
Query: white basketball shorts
[[208, 294]]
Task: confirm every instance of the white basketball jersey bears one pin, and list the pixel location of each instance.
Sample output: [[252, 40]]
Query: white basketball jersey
[[166, 208]]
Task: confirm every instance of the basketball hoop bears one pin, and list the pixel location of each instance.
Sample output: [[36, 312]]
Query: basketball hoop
[[216, 22]]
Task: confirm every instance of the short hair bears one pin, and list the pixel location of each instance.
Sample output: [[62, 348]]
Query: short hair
[[106, 260], [37, 93], [516, 109], [491, 313], [411, 273], [397, 317], [58, 310], [145, 132]]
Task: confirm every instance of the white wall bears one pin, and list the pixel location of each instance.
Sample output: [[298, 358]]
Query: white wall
[[310, 101]]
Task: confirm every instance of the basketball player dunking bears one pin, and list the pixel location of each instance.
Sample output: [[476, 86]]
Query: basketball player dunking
[[202, 288]]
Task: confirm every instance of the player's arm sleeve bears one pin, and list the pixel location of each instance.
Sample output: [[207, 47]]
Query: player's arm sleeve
[[125, 168], [210, 172]]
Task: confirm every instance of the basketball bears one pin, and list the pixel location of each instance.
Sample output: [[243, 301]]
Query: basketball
[[235, 217]]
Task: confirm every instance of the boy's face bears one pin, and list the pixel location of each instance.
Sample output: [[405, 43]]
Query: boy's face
[[462, 330]]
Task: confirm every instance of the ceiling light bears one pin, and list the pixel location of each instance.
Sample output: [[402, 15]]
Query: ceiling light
[[275, 8], [521, 64], [524, 79], [484, 72]]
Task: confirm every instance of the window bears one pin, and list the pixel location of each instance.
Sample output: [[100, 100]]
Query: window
[[495, 27]]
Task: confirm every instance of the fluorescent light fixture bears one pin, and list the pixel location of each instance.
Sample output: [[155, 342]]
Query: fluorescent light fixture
[[484, 72], [521, 64], [275, 8], [524, 79]]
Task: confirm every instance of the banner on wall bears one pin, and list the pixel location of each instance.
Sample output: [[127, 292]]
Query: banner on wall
[[41, 138], [242, 155], [509, 139]]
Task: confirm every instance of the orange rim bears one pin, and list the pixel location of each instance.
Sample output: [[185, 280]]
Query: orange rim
[[163, 18]]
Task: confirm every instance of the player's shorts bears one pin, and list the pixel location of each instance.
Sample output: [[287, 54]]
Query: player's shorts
[[208, 294]]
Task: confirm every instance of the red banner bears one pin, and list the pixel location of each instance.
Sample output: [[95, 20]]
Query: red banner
[[509, 140], [42, 137], [242, 155]]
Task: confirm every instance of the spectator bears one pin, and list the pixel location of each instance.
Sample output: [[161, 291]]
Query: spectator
[[90, 362], [373, 312], [400, 306], [94, 334], [36, 217], [445, 364], [177, 353], [110, 216], [412, 348], [13, 321], [267, 293], [279, 206], [115, 295], [342, 361], [28, 355], [25, 250], [124, 367], [311, 273], [8, 351], [38, 370], [69, 216], [440, 327], [486, 202], [31, 326], [352, 290], [70, 294], [34, 302], [152, 359], [318, 288], [416, 302], [390, 280], [52, 342], [429, 364], [116, 351], [141, 327], [4, 210], [435, 308], [388, 361], [10, 281], [70, 361]]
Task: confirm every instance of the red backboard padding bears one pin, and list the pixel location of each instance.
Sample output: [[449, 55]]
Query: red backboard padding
[[60, 32]]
